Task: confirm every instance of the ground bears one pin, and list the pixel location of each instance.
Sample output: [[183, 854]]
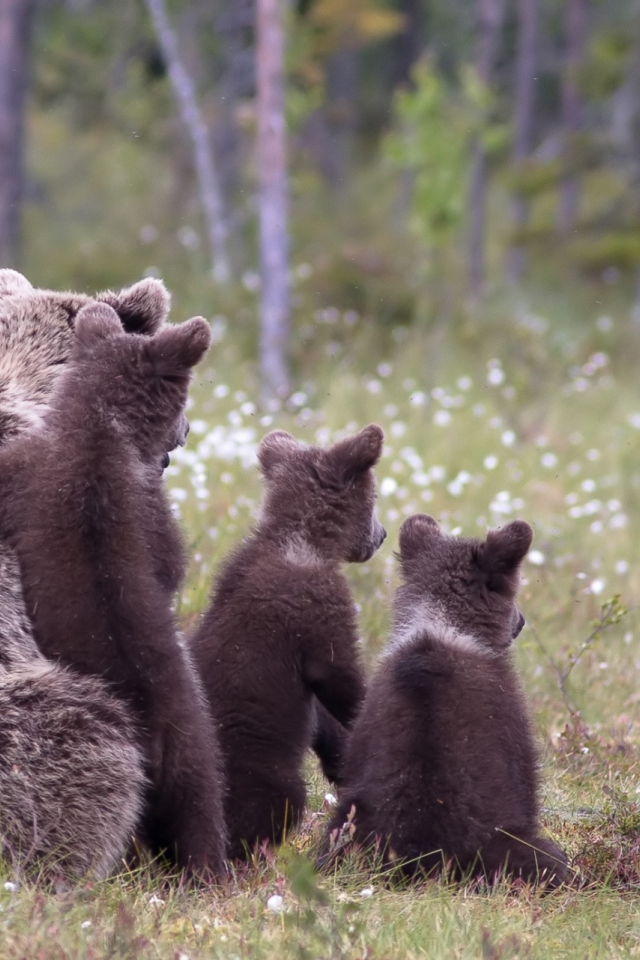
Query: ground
[[526, 409]]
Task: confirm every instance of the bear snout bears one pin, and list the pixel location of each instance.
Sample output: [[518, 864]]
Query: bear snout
[[518, 624]]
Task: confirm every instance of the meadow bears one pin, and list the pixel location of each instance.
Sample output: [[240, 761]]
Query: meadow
[[528, 407]]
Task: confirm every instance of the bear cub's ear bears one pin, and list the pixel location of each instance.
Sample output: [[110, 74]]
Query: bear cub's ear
[[97, 321], [175, 350], [415, 534], [274, 448], [142, 308], [504, 550], [13, 283], [353, 455]]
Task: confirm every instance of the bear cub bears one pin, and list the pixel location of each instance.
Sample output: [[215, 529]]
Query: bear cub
[[441, 766], [100, 556], [277, 648]]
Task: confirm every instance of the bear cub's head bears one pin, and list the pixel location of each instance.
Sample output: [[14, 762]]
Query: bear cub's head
[[135, 385], [462, 584], [37, 336], [322, 500]]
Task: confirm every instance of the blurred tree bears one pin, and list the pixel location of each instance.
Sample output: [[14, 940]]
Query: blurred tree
[[410, 40], [528, 22], [15, 18], [571, 111], [490, 15], [209, 187], [334, 33], [272, 199]]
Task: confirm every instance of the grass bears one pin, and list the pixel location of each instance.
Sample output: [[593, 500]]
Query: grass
[[522, 415], [527, 407]]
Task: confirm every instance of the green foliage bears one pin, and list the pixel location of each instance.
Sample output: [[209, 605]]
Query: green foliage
[[431, 142]]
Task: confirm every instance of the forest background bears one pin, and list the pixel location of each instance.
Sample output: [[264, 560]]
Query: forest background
[[458, 259]]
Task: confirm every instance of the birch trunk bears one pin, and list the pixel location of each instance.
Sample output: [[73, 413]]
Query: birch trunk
[[210, 193], [15, 18], [272, 200]]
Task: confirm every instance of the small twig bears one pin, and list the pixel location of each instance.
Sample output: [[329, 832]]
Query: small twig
[[611, 612]]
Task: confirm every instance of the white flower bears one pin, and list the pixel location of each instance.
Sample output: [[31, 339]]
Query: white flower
[[374, 386], [618, 521], [622, 566], [11, 886], [330, 799], [384, 369], [465, 383], [508, 438], [221, 390], [548, 460], [490, 462], [597, 586], [536, 557], [85, 924], [442, 418], [366, 892], [398, 429], [495, 376], [275, 903], [388, 486], [178, 494], [418, 399]]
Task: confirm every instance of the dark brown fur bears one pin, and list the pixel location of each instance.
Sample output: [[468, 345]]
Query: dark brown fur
[[88, 486], [277, 647], [441, 766]]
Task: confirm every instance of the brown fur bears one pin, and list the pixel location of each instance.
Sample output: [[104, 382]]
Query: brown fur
[[88, 485], [71, 776], [281, 629], [441, 766], [37, 337]]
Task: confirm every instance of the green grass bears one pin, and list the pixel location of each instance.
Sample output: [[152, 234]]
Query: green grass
[[550, 433], [527, 407]]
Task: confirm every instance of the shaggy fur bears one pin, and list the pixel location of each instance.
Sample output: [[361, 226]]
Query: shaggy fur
[[71, 773], [36, 340], [71, 776], [277, 646], [441, 766], [89, 486]]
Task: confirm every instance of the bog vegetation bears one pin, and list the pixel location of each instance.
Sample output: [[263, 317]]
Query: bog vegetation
[[521, 402]]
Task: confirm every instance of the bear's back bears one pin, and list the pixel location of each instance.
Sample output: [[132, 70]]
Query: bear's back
[[267, 613], [443, 747]]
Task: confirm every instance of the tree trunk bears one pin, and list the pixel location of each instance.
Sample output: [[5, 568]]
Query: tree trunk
[[529, 17], [490, 14], [272, 200], [409, 44], [15, 20], [208, 181], [571, 109]]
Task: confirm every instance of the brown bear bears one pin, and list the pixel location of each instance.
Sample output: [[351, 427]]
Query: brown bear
[[441, 768], [277, 648], [88, 485], [71, 772], [72, 777], [37, 337]]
